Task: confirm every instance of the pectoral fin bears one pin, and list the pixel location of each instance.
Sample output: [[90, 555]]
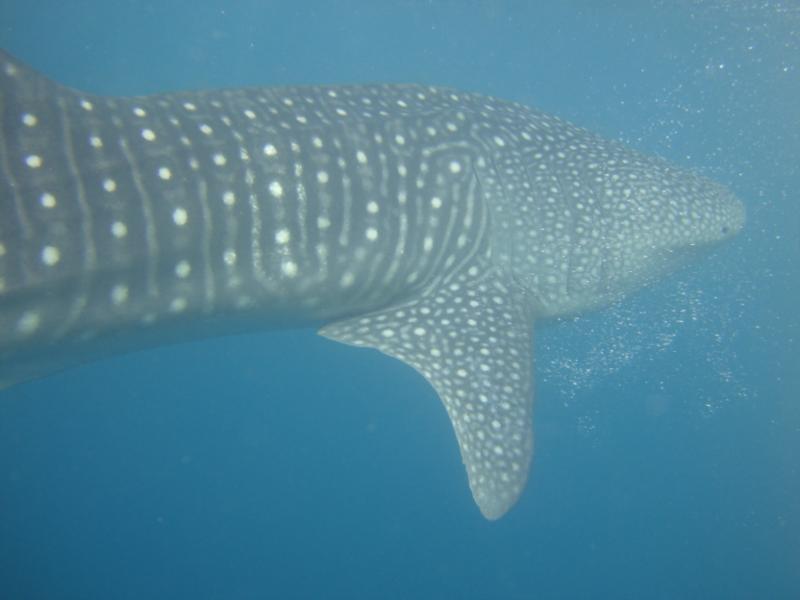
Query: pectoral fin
[[474, 345]]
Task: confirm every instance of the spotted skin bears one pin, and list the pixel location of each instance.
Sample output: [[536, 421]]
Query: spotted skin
[[433, 225]]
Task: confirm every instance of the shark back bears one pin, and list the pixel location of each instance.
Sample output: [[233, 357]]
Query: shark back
[[292, 204]]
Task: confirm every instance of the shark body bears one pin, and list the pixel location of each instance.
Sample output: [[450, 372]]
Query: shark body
[[433, 225]]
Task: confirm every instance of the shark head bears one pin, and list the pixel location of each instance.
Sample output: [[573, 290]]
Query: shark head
[[585, 224]]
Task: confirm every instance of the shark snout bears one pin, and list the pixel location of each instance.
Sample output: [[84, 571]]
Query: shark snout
[[734, 215]]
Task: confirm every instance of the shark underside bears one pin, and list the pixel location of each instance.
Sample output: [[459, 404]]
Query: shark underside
[[433, 225]]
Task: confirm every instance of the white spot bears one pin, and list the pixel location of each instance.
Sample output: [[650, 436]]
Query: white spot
[[119, 229], [2, 249], [361, 157], [139, 112], [50, 255], [372, 207], [178, 305], [372, 234], [219, 159], [189, 106], [148, 134], [347, 279], [109, 185], [289, 268], [322, 177], [499, 141], [270, 150], [282, 236], [455, 166], [29, 119], [229, 198], [229, 256], [249, 114], [183, 269], [436, 202], [86, 105], [47, 200], [387, 333], [276, 189], [323, 222], [427, 244], [10, 69], [164, 173], [95, 141], [180, 216], [34, 161], [399, 139], [317, 142], [419, 331], [28, 322], [206, 129], [119, 294]]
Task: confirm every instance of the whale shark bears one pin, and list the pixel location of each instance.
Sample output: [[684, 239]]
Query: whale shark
[[433, 225]]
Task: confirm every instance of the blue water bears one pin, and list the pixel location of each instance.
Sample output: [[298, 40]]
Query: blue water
[[281, 465]]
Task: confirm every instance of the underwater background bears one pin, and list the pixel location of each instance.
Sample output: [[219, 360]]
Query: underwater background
[[283, 465]]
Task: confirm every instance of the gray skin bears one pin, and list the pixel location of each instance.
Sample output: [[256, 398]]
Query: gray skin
[[433, 225]]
